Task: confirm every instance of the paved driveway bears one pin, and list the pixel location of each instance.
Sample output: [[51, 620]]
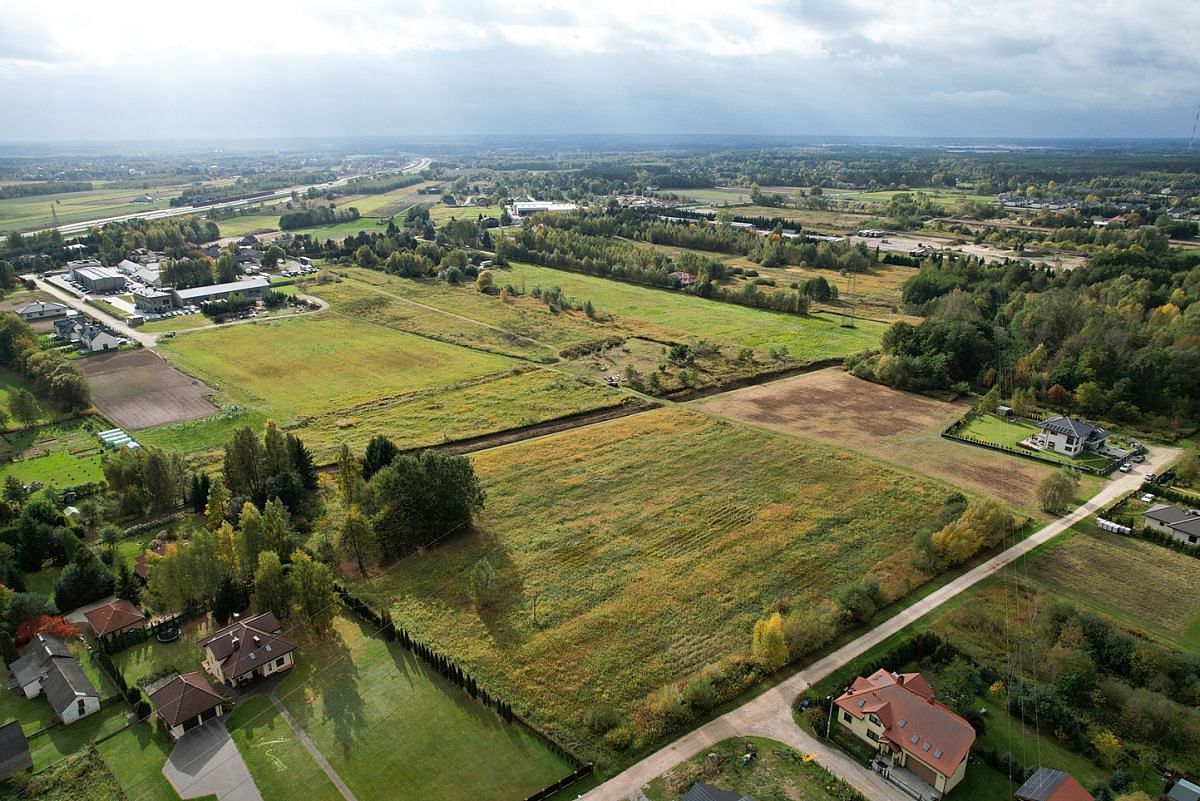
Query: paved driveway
[[206, 762]]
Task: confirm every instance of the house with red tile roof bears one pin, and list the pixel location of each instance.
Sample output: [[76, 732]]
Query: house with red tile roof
[[248, 649], [120, 615], [896, 714], [185, 702], [1052, 785]]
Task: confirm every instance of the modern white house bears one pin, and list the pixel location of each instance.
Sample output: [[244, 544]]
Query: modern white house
[[1072, 437], [1183, 525], [41, 310], [248, 649]]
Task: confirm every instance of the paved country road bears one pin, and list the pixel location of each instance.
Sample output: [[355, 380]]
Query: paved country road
[[770, 714]]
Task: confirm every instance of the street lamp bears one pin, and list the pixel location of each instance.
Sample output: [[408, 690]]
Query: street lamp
[[829, 723]]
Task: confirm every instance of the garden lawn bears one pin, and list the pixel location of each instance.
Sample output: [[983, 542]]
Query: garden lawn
[[281, 767], [776, 773], [678, 316], [151, 657], [136, 757], [204, 434], [60, 469], [993, 429], [645, 548], [312, 365], [393, 729], [62, 741]]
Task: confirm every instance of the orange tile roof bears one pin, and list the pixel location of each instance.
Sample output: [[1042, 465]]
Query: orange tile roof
[[912, 720], [114, 617]]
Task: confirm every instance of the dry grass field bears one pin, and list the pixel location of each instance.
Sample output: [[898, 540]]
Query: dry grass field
[[633, 552], [138, 389], [903, 428]]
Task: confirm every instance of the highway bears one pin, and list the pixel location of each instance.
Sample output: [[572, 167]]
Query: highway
[[157, 214]]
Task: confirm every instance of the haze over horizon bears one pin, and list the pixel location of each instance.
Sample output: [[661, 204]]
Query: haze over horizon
[[136, 70]]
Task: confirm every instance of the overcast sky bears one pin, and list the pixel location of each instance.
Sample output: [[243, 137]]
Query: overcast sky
[[127, 69]]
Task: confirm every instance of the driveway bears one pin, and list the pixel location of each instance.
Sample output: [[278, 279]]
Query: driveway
[[770, 714], [206, 762]]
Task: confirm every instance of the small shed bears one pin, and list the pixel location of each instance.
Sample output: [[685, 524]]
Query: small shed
[[1184, 790], [1004, 411]]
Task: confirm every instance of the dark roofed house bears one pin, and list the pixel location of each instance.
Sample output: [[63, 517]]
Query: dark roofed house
[[30, 669], [185, 702], [41, 310], [1072, 437], [706, 792], [69, 692], [119, 615], [896, 714], [1052, 785], [247, 649], [14, 750], [1181, 524]]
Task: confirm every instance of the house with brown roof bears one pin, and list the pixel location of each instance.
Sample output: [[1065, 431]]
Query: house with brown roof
[[896, 714], [248, 649], [185, 702], [120, 615], [1052, 785], [141, 565]]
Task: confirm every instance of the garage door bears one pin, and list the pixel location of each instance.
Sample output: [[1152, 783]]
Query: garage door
[[922, 771]]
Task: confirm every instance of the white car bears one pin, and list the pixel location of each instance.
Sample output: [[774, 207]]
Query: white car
[[1125, 468], [1151, 477]]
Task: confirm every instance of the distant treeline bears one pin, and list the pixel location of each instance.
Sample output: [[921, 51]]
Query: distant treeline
[[319, 215], [43, 188], [379, 186], [249, 187]]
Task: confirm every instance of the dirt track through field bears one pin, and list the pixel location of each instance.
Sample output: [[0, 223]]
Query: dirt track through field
[[139, 389], [834, 407]]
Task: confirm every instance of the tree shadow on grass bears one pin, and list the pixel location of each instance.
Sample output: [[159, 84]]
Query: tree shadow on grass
[[335, 683], [507, 601]]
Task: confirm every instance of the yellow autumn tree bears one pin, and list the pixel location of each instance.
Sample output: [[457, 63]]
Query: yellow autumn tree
[[1108, 748], [768, 645]]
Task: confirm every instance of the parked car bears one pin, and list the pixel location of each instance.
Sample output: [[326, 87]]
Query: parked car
[[1139, 458], [1151, 477], [1125, 468]]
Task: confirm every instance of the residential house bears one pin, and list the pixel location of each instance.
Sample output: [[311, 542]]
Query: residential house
[[1072, 437], [1181, 524], [70, 693], [248, 649], [40, 310], [1184, 790], [684, 279], [1052, 785], [706, 792], [897, 714], [96, 339], [250, 288], [30, 670], [152, 301], [141, 565], [185, 702], [120, 615], [14, 750], [68, 329], [48, 667]]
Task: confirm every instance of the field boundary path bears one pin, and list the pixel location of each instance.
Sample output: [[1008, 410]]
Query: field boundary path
[[770, 714], [311, 747]]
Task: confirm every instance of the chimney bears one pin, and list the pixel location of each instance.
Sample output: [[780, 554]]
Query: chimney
[[237, 615], [257, 641], [236, 643]]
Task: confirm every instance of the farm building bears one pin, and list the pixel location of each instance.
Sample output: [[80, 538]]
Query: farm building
[[250, 288], [152, 301], [99, 279], [40, 310], [116, 438], [1072, 437], [1052, 785], [185, 702], [120, 615], [919, 741], [247, 649], [14, 750], [1183, 525]]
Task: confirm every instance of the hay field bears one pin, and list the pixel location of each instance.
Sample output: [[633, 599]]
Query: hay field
[[633, 552], [903, 428]]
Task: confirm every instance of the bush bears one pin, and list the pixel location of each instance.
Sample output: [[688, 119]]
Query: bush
[[618, 739], [699, 694], [601, 719]]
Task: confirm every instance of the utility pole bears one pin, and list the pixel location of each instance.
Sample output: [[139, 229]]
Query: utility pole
[[829, 723]]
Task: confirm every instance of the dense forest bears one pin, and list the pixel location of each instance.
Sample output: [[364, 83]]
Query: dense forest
[[1118, 339]]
